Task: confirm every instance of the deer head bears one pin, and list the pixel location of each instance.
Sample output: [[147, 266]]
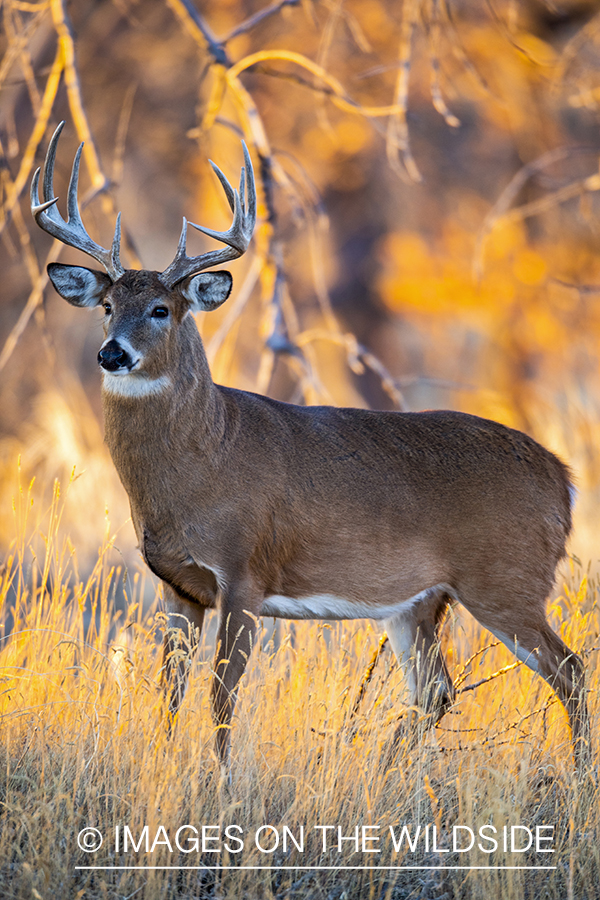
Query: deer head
[[141, 307]]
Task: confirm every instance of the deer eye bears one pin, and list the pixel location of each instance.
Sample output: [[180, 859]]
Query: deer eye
[[160, 312], [107, 309]]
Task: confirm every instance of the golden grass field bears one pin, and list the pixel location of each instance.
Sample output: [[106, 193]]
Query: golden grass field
[[82, 746]]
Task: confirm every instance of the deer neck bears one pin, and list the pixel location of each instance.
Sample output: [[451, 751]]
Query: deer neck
[[147, 433]]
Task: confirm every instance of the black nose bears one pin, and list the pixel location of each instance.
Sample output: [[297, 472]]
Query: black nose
[[112, 357]]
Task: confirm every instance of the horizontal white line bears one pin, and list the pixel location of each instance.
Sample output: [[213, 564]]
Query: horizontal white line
[[311, 868]]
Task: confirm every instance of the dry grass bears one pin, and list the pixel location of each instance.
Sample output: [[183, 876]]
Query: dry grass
[[82, 745]]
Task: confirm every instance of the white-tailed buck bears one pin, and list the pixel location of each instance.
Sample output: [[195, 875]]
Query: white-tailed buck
[[261, 508]]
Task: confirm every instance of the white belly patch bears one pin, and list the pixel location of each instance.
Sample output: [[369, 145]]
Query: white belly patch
[[328, 606]]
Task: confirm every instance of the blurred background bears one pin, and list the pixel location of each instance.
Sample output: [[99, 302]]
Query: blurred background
[[429, 218]]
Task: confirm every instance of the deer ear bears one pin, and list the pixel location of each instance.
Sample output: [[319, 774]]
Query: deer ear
[[208, 290], [77, 285]]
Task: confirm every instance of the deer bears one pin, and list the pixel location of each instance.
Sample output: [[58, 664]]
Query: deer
[[256, 507]]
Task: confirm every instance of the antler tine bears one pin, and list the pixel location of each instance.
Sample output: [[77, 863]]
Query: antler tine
[[48, 183], [237, 237], [241, 189], [251, 187], [71, 232], [115, 247], [36, 206], [229, 192], [169, 276]]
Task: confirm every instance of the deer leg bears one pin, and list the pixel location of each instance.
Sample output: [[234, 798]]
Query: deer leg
[[540, 648], [182, 634], [414, 636], [237, 630]]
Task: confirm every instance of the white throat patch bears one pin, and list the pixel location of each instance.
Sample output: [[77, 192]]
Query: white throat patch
[[134, 384]]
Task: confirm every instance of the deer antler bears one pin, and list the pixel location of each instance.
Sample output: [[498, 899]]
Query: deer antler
[[243, 205], [72, 231]]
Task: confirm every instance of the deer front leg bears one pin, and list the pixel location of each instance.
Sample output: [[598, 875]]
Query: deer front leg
[[182, 635], [237, 630]]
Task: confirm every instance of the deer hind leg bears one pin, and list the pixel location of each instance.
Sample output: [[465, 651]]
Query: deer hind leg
[[540, 648], [522, 627], [182, 635], [414, 637]]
